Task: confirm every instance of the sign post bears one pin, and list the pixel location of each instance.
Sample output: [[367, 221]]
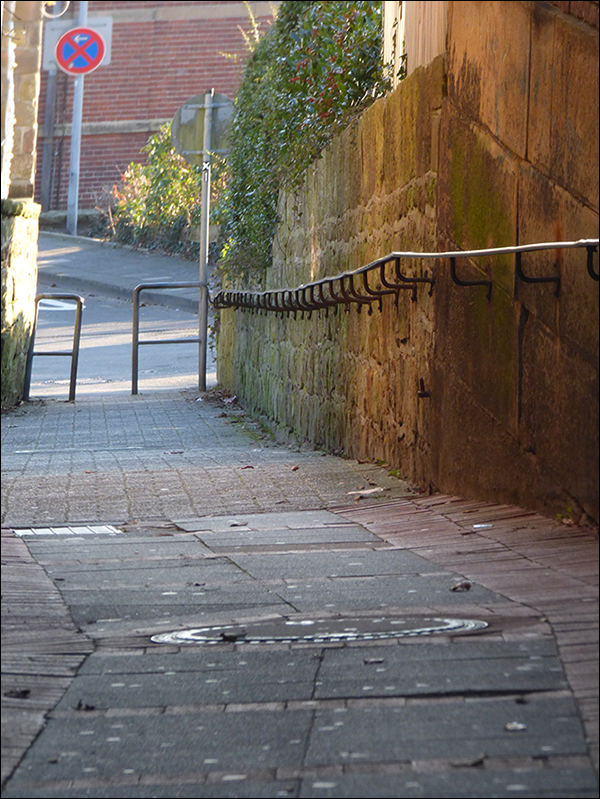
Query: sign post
[[78, 52], [54, 29], [205, 117], [204, 239]]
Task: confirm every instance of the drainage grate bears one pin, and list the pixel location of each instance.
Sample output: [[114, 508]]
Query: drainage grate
[[99, 529], [320, 631]]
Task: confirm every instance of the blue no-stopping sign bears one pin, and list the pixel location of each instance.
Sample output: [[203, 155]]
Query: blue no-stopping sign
[[80, 51]]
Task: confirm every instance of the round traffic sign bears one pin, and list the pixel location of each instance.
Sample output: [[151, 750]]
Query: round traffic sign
[[80, 51], [187, 127]]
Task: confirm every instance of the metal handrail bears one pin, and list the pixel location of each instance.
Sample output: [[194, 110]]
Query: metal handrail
[[303, 297], [136, 343], [74, 352]]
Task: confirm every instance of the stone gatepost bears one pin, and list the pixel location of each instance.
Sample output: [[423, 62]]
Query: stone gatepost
[[20, 85], [20, 221]]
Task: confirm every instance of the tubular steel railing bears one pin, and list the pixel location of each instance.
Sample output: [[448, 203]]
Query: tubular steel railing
[[73, 354], [356, 286], [136, 343]]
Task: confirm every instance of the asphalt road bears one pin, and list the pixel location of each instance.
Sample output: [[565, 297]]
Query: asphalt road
[[105, 359]]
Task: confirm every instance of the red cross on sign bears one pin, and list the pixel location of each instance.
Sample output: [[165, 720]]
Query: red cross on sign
[[80, 51]]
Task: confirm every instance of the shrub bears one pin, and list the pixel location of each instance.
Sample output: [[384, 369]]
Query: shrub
[[157, 202]]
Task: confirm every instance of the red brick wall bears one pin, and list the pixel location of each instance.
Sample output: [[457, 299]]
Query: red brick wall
[[156, 64]]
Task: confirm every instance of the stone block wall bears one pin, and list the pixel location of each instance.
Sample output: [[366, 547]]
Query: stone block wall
[[349, 381], [493, 397], [20, 221], [20, 215], [26, 38], [516, 377]]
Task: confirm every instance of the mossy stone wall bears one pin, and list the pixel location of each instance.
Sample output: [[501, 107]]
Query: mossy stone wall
[[19, 281], [516, 377], [349, 381], [481, 148]]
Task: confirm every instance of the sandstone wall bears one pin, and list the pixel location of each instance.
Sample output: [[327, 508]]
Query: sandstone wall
[[19, 281], [25, 36], [516, 378], [493, 398], [348, 381]]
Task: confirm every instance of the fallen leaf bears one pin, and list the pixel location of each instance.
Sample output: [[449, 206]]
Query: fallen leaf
[[478, 760], [232, 637], [18, 693], [465, 586], [84, 706]]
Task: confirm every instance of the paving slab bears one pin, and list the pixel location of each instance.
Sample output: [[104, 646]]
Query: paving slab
[[339, 564], [458, 782], [373, 593], [105, 746], [448, 731]]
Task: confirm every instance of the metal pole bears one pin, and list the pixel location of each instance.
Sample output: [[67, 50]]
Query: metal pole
[[46, 179], [29, 361], [73, 195], [75, 352], [204, 234], [134, 340]]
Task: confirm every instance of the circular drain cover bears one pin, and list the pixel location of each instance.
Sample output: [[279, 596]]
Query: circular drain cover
[[319, 631]]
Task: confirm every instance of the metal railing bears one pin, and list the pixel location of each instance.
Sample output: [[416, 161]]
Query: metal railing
[[136, 343], [356, 286], [73, 354]]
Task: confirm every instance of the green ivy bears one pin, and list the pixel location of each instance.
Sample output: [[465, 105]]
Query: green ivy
[[318, 66]]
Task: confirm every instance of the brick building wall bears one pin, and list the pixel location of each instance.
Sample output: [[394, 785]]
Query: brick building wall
[[162, 54]]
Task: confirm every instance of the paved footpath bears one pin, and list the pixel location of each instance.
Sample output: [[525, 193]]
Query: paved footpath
[[192, 610], [289, 588]]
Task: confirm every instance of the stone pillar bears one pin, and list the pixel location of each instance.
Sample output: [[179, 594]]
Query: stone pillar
[[22, 34], [26, 35], [19, 280]]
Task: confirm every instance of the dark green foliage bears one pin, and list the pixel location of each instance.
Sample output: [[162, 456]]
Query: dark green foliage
[[315, 69]]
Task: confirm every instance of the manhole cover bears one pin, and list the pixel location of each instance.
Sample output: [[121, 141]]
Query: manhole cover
[[320, 631]]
